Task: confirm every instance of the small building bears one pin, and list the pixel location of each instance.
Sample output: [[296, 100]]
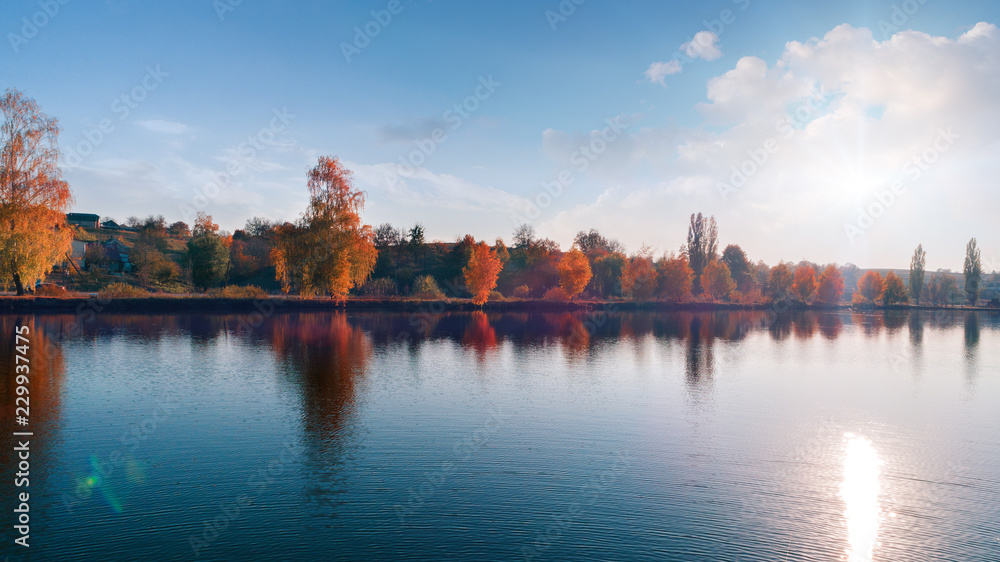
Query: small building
[[78, 253], [84, 219], [111, 225], [115, 254]]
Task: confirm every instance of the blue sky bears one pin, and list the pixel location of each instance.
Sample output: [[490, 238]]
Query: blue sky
[[207, 76]]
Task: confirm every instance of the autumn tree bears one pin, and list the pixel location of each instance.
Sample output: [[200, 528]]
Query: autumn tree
[[639, 276], [260, 227], [870, 287], [895, 290], [151, 264], [717, 280], [329, 249], [593, 244], [702, 246], [574, 272], [203, 225], [33, 196], [676, 278], [780, 281], [804, 285], [917, 265], [179, 229], [941, 289], [973, 270], [207, 253], [482, 272], [830, 286], [607, 269], [502, 251]]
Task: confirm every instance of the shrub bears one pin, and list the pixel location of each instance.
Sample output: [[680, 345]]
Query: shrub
[[556, 294], [382, 287], [496, 296], [522, 292], [119, 290], [50, 290], [237, 292], [425, 287]]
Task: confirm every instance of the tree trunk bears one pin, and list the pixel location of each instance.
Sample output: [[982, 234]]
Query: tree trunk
[[17, 284]]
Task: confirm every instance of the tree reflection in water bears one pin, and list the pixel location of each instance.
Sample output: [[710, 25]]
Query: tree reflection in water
[[327, 358], [46, 372], [479, 335]]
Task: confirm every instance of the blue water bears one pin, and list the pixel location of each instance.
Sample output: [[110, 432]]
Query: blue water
[[469, 436]]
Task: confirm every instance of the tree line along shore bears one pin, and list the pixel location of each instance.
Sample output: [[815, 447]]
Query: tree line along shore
[[330, 252]]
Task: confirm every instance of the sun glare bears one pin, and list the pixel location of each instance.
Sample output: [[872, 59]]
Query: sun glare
[[860, 494]]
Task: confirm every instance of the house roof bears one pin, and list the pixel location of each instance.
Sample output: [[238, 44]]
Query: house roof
[[118, 241], [82, 217]]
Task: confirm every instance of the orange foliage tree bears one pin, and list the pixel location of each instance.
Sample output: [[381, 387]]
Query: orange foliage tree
[[574, 272], [676, 278], [780, 281], [329, 249], [717, 280], [203, 226], [482, 272], [870, 287], [33, 196], [895, 290], [639, 277], [804, 285], [830, 286]]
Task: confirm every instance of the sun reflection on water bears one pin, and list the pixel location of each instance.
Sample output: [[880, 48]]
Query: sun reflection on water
[[860, 494]]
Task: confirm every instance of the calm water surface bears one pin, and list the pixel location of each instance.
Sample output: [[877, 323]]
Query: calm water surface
[[639, 436]]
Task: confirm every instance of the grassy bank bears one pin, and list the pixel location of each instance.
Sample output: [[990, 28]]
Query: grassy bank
[[194, 304]]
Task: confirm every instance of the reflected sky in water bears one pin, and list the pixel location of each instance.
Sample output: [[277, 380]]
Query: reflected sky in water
[[746, 435]]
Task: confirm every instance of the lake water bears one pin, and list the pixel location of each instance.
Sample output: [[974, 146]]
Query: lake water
[[470, 436]]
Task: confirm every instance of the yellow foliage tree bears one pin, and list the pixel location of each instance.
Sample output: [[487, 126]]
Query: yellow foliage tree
[[329, 249], [481, 272], [717, 280], [33, 196], [574, 272]]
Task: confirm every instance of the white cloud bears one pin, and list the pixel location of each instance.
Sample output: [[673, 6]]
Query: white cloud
[[704, 45], [844, 114], [164, 127], [658, 71]]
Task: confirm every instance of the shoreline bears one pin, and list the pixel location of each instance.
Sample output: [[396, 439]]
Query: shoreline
[[196, 304]]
